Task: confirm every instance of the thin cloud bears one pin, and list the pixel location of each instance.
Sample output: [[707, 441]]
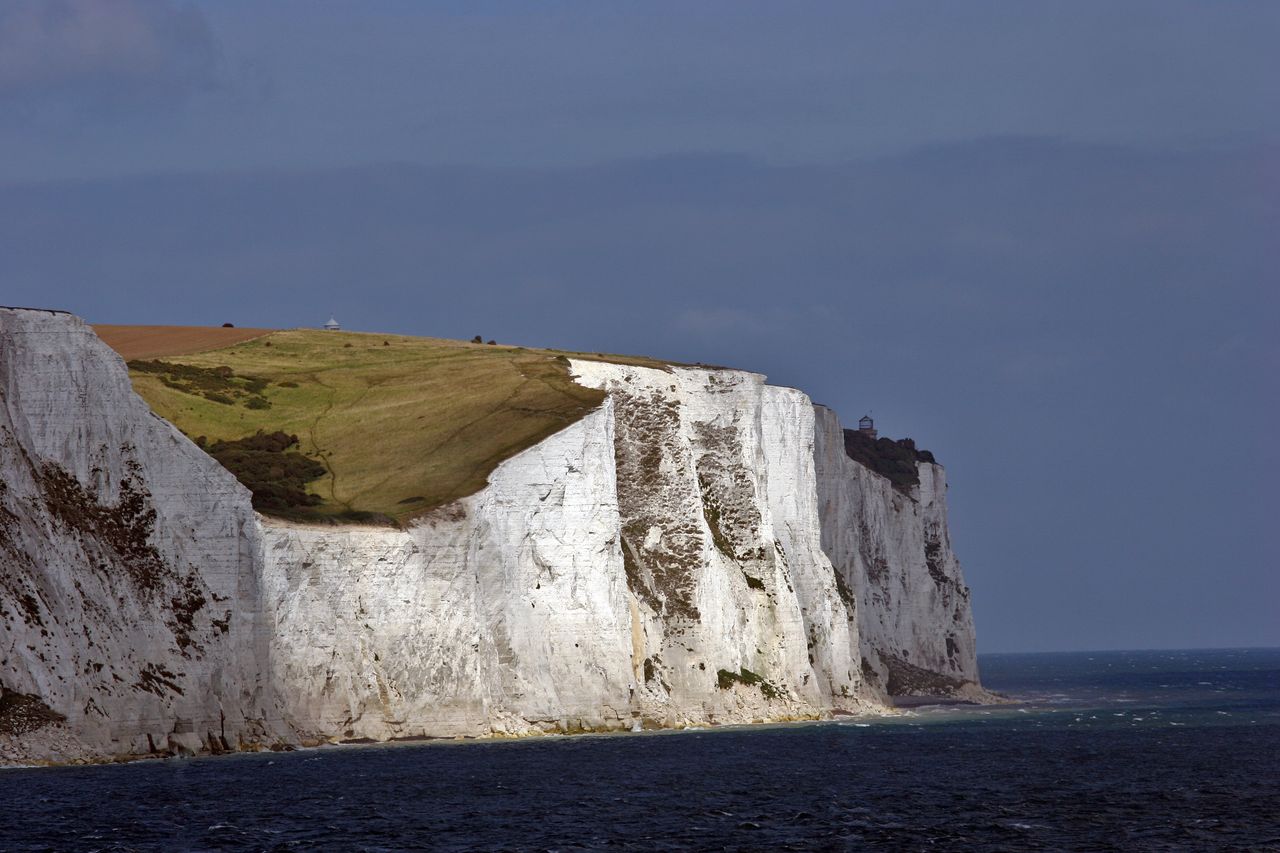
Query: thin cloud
[[88, 51]]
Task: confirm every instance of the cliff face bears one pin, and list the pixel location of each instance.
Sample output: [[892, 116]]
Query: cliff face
[[611, 576], [718, 529], [129, 593], [697, 550], [505, 612], [893, 548]]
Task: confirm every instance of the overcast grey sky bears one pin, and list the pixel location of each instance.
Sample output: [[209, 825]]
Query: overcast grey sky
[[1041, 238]]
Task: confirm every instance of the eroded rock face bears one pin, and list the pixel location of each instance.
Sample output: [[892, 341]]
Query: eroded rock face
[[893, 550], [129, 599], [657, 564], [719, 531], [698, 550]]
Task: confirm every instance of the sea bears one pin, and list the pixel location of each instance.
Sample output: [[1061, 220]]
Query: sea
[[1152, 750]]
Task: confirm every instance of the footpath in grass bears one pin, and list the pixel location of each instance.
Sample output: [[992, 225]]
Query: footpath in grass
[[400, 425]]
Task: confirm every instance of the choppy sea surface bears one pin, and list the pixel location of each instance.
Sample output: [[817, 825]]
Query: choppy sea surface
[[1109, 751]]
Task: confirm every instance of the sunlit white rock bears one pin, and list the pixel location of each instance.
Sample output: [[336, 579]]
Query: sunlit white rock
[[138, 651]]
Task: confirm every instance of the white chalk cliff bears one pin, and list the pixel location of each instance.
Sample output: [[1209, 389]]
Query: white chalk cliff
[[130, 601], [892, 547], [698, 550]]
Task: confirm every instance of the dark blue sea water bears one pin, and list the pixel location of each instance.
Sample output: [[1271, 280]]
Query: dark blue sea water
[[1112, 751]]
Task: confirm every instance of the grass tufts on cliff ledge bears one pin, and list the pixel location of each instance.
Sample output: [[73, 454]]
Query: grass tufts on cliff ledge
[[398, 425], [894, 460]]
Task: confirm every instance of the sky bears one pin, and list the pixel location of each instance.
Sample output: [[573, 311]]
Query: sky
[[1040, 238]]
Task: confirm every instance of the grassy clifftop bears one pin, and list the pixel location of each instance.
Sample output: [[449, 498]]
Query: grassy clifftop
[[893, 459], [400, 424]]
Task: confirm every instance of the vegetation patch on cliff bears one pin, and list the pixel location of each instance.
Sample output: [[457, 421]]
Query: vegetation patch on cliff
[[263, 462], [124, 528], [21, 713], [154, 678], [869, 674], [933, 556], [846, 594], [894, 460], [183, 608], [9, 529], [400, 425], [219, 384], [907, 679], [725, 679]]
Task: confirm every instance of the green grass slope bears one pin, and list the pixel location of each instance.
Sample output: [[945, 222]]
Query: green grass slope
[[400, 425]]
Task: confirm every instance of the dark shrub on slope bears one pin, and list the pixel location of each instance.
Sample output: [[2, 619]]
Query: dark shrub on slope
[[895, 460], [263, 462]]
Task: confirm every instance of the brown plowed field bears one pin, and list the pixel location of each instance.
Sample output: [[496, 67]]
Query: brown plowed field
[[159, 341]]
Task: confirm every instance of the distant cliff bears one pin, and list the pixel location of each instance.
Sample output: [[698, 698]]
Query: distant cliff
[[888, 540], [697, 549]]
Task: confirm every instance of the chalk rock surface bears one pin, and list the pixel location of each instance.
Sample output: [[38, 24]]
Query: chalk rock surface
[[657, 563], [505, 612], [698, 550], [130, 607], [892, 546]]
